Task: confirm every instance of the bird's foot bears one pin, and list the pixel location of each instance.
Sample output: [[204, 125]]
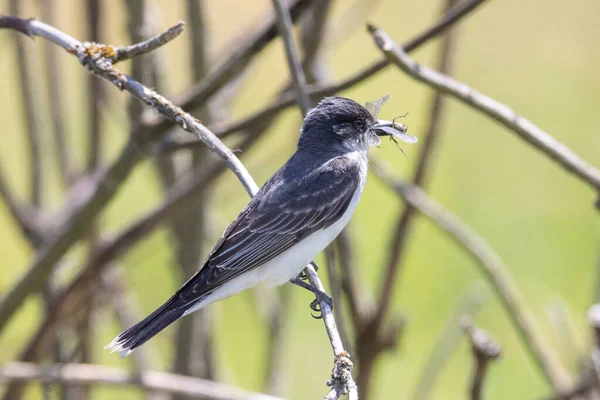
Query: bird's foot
[[320, 295], [303, 274]]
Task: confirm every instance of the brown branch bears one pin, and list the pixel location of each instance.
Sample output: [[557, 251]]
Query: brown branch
[[89, 374], [448, 341], [493, 269], [32, 108], [484, 351], [524, 128]]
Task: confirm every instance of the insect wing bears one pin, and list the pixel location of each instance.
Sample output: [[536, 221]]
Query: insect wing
[[397, 134], [375, 106]]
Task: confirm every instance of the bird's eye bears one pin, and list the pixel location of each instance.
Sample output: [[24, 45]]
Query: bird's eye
[[359, 123]]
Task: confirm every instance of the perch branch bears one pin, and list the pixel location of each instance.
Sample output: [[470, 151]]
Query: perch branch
[[529, 132]]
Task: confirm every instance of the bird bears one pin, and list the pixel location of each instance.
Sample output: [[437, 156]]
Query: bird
[[296, 214]]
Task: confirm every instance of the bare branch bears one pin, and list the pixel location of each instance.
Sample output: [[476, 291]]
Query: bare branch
[[389, 279], [32, 108], [284, 24], [493, 269], [89, 374], [529, 132], [448, 341], [342, 382], [122, 53], [484, 350]]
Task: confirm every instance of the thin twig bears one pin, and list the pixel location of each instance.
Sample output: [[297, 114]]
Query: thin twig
[[493, 269], [529, 132], [284, 24], [122, 53], [89, 374], [484, 350]]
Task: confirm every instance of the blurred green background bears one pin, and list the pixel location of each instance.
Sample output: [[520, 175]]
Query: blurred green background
[[539, 57]]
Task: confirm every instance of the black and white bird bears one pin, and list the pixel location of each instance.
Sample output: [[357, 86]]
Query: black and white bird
[[295, 215]]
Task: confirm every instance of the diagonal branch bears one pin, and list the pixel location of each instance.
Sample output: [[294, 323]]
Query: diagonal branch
[[493, 269], [529, 132]]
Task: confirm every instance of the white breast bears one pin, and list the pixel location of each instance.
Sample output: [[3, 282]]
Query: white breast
[[291, 262]]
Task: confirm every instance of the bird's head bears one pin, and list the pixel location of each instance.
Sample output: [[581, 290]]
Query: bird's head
[[338, 123]]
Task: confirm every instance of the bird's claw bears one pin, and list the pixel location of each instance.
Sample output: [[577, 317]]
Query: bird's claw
[[315, 305]]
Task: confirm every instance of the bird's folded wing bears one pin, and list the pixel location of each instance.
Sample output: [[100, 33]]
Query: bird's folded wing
[[273, 222]]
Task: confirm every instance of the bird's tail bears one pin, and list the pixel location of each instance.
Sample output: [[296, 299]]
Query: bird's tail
[[144, 330]]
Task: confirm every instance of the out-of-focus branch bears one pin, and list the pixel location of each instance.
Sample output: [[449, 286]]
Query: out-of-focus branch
[[448, 341], [589, 378], [103, 188], [127, 311], [56, 107], [484, 351], [319, 90], [284, 25], [182, 197], [493, 269], [33, 112], [190, 230], [95, 96], [403, 227], [529, 132], [89, 374], [26, 217]]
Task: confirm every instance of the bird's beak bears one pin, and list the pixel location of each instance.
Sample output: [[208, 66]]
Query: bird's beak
[[393, 129]]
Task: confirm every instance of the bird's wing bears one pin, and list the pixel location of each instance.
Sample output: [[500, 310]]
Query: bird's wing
[[281, 216]]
